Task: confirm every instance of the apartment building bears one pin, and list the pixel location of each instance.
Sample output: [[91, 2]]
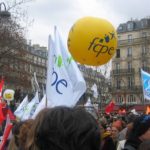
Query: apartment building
[[18, 67], [133, 53]]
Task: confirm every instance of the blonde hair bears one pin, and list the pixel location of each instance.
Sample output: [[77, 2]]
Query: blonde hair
[[30, 142]]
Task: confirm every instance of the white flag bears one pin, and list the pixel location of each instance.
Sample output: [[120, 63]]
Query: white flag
[[36, 82], [20, 110], [32, 84], [90, 108], [88, 105], [40, 106], [31, 107], [134, 112], [94, 89], [65, 83]]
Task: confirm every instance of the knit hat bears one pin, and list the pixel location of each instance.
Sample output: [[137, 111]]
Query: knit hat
[[141, 125]]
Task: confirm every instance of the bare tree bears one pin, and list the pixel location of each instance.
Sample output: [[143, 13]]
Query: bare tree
[[12, 35], [12, 40]]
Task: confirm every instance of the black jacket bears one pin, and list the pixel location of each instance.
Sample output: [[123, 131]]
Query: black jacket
[[132, 144]]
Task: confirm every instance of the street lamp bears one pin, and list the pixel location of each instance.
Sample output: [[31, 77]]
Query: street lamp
[[3, 12]]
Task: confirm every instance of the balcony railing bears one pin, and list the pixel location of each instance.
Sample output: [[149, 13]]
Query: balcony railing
[[126, 89], [123, 71], [133, 41], [147, 69]]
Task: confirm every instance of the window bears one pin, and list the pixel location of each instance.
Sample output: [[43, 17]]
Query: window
[[119, 37], [130, 26], [118, 53], [129, 66], [130, 82], [117, 66], [129, 52], [144, 23], [118, 83], [120, 99], [142, 98], [131, 99], [143, 50], [35, 59], [120, 28], [144, 64], [144, 34], [129, 38]]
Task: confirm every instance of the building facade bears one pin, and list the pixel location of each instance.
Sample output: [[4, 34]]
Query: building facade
[[18, 67], [92, 76], [133, 53]]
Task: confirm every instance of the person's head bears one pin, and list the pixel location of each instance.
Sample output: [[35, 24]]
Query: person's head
[[116, 128], [24, 131], [108, 129], [63, 128], [15, 132], [141, 128], [131, 118]]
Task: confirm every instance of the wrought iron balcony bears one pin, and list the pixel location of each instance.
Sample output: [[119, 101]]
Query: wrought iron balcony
[[123, 71], [147, 69], [126, 89], [133, 41]]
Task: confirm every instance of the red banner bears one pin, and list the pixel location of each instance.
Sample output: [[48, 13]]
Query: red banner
[[110, 107]]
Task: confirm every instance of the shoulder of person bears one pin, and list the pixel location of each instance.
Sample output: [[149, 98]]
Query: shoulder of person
[[128, 147]]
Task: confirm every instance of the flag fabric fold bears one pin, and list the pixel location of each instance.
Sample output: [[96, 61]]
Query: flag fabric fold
[[65, 83], [7, 133], [1, 87], [88, 105], [21, 108], [146, 84], [110, 107], [36, 82], [94, 89], [148, 110], [40, 106], [2, 117], [30, 108], [5, 136]]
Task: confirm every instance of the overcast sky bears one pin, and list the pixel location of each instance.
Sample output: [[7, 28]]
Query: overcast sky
[[64, 13]]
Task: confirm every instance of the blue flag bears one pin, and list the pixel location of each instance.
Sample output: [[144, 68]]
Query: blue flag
[[146, 84]]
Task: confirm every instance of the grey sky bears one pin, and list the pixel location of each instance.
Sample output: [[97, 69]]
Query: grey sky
[[64, 13]]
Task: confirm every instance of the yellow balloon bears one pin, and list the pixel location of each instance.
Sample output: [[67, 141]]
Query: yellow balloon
[[92, 41]]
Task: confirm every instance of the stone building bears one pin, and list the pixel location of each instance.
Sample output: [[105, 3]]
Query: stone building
[[92, 76], [133, 53], [17, 68]]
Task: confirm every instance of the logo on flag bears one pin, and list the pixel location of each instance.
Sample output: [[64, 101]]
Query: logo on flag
[[31, 107], [21, 108], [65, 83]]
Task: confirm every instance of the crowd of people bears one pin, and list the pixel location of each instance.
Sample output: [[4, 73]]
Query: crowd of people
[[64, 128]]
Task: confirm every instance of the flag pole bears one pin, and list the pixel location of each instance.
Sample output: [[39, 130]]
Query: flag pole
[[49, 43], [46, 103]]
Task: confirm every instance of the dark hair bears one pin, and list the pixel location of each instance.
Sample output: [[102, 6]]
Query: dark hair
[[131, 118], [63, 128], [140, 126]]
